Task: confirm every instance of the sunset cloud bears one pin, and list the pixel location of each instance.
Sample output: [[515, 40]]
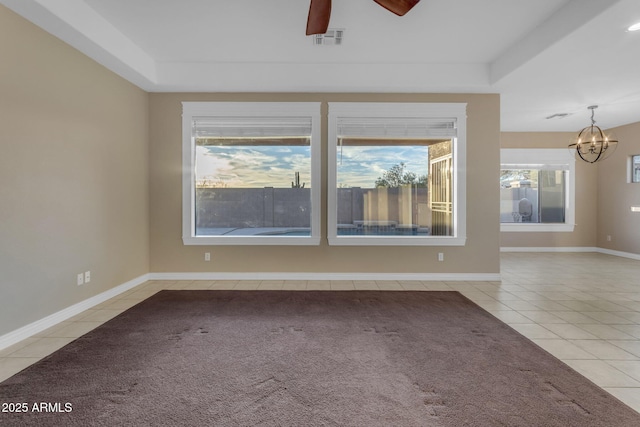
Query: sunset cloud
[[361, 166], [253, 166]]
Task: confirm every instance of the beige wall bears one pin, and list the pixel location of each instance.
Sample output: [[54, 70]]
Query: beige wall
[[73, 175], [480, 255], [584, 234], [617, 195]]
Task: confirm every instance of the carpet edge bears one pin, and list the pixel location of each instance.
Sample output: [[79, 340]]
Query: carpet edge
[[40, 325]]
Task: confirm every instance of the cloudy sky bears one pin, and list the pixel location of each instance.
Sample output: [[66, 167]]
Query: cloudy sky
[[361, 166], [253, 166], [271, 166]]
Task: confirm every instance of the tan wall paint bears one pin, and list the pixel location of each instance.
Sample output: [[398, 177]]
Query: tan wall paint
[[73, 175], [617, 195], [584, 233], [480, 255]]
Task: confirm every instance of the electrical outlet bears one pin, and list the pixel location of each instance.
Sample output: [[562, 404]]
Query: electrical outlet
[[608, 237], [80, 279], [207, 256], [440, 256], [87, 276]]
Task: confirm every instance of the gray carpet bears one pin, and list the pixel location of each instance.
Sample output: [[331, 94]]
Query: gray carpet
[[252, 358]]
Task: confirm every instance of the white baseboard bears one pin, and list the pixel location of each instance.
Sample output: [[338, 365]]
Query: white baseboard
[[570, 249], [62, 315], [548, 249], [619, 253], [453, 277]]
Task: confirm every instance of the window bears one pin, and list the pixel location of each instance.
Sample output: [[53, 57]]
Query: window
[[635, 168], [537, 190], [396, 174], [251, 173]]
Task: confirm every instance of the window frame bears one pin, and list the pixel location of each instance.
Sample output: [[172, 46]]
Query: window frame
[[631, 174], [454, 111], [529, 157], [190, 110]]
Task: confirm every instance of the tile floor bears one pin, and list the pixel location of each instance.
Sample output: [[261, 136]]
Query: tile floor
[[582, 308]]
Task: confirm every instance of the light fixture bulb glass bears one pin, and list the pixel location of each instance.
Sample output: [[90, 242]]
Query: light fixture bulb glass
[[634, 27]]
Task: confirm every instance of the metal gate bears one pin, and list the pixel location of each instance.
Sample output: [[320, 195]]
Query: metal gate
[[441, 195]]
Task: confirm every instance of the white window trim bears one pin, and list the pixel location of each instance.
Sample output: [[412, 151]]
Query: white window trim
[[533, 156], [402, 110], [248, 109], [630, 176]]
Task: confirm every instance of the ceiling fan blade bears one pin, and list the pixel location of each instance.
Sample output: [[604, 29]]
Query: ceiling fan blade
[[319, 14], [399, 7]]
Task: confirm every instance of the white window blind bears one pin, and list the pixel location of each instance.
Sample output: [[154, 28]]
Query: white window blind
[[251, 127], [535, 158], [396, 127], [537, 166]]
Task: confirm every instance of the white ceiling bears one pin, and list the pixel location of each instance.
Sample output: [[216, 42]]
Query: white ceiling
[[543, 57]]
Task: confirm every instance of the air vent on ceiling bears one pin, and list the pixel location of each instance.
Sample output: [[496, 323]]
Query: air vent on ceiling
[[333, 36]]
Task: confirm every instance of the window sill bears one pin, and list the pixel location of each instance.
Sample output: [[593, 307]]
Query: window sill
[[536, 228], [252, 240], [397, 241]]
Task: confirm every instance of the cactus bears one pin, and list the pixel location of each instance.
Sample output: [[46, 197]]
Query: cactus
[[296, 184]]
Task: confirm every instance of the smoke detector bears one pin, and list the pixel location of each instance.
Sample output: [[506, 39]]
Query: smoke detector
[[333, 36]]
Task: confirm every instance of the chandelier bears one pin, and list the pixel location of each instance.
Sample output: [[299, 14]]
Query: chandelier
[[592, 144]]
